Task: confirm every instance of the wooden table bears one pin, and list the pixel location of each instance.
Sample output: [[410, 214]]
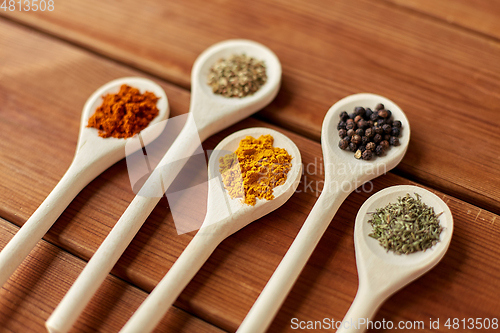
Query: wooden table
[[439, 60]]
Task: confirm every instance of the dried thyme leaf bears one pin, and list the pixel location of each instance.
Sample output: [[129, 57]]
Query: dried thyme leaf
[[406, 226], [237, 76]]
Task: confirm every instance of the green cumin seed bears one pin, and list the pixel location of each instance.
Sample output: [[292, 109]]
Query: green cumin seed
[[237, 76]]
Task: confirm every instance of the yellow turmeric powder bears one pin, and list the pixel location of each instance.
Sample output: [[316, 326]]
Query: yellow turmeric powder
[[255, 169]]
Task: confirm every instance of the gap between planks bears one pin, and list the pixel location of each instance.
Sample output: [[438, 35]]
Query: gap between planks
[[97, 52], [438, 19], [13, 225], [126, 66]]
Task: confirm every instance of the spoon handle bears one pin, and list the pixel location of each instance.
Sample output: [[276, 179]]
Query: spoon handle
[[101, 263], [271, 298], [362, 310], [153, 309], [82, 171]]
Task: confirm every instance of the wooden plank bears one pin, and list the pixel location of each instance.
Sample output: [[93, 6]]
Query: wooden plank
[[478, 15], [43, 89], [446, 79], [33, 292]]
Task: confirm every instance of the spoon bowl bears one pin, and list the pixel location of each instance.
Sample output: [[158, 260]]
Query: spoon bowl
[[381, 272], [343, 174], [114, 148], [238, 214], [225, 216], [335, 157], [203, 99], [94, 154], [368, 246]]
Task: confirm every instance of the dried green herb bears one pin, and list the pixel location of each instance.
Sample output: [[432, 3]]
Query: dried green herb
[[406, 226], [237, 76]]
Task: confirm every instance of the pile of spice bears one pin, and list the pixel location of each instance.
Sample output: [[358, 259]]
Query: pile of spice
[[255, 169], [237, 76], [406, 226], [367, 133], [124, 114]]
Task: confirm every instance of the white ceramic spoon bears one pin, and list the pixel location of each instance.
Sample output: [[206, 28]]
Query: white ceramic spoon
[[224, 217], [94, 154], [343, 174], [382, 273], [208, 114]]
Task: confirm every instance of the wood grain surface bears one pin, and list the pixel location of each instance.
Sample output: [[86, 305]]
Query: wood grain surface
[[478, 15], [445, 79], [33, 292], [42, 90]]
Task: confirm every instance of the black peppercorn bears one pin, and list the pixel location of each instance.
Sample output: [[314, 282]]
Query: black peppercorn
[[343, 144], [387, 128], [368, 113], [382, 113], [353, 147], [369, 132], [344, 116], [359, 110], [395, 131], [370, 146], [367, 155], [384, 144], [393, 141]]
